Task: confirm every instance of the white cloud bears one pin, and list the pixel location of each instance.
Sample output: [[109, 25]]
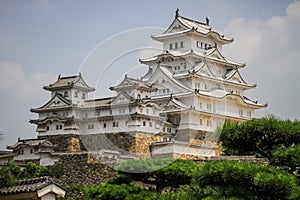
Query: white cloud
[[19, 92], [11, 75], [14, 81], [271, 50]]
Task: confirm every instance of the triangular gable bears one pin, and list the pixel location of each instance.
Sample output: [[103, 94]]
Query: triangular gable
[[151, 104], [46, 143], [126, 82], [79, 82], [163, 78], [235, 76], [57, 101], [175, 104], [131, 82], [176, 26], [122, 98], [215, 53], [205, 70]]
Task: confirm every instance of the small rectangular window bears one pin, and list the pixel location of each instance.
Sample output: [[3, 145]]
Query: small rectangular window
[[104, 125], [144, 123], [91, 126], [66, 94], [171, 46], [208, 123], [208, 106], [181, 44], [115, 124], [241, 112], [200, 121], [58, 127], [21, 152], [249, 114], [176, 45], [150, 124]]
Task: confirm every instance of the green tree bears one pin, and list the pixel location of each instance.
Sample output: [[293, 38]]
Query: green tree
[[110, 191], [32, 171], [161, 173], [7, 176], [287, 158], [242, 180], [11, 172], [259, 137]]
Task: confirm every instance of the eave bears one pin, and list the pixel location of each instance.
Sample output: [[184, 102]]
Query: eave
[[66, 87], [223, 81], [57, 118], [56, 108], [225, 62]]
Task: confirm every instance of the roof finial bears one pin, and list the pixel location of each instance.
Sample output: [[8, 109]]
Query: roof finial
[[177, 12], [207, 21]]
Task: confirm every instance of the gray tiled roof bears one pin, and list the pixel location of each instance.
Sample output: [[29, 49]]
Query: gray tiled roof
[[28, 185], [32, 143]]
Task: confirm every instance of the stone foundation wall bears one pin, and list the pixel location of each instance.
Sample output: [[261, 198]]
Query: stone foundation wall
[[137, 143], [123, 141], [142, 143], [77, 168], [65, 143]]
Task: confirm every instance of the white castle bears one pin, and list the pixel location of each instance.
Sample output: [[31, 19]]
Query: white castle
[[190, 89]]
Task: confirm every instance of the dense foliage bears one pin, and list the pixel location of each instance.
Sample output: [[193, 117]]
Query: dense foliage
[[111, 191], [169, 179], [245, 180], [11, 172], [159, 172], [272, 138], [188, 180]]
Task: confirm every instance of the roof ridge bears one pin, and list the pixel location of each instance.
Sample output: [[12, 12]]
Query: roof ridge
[[66, 77], [33, 180], [192, 20], [99, 99]]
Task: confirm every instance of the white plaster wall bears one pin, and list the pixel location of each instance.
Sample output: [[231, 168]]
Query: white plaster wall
[[47, 160], [27, 155], [48, 196]]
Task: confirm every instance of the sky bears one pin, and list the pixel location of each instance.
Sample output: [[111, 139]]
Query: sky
[[40, 39]]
